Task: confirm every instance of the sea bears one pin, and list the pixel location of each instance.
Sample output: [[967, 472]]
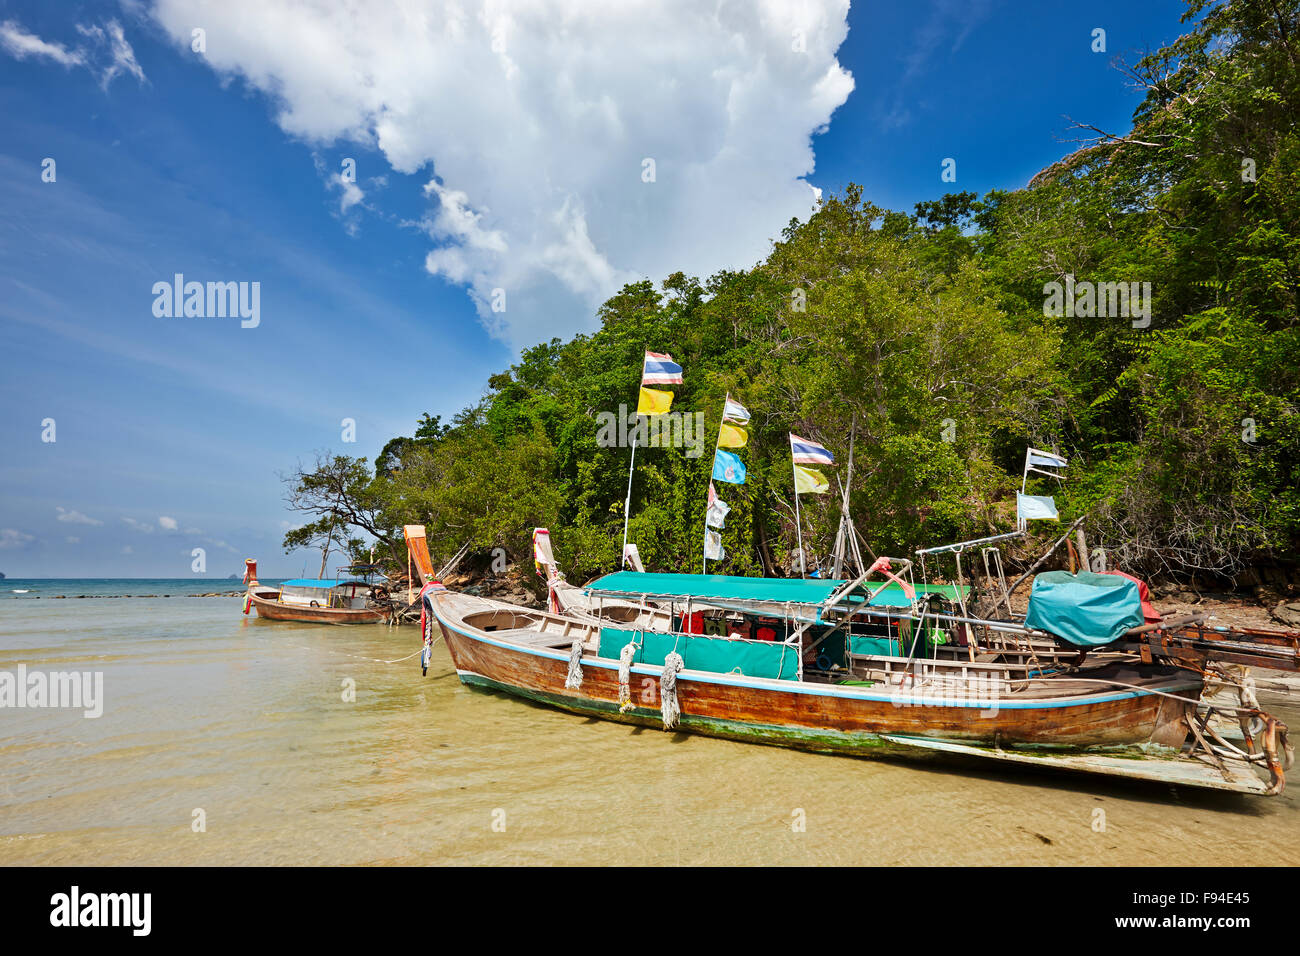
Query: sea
[[225, 739]]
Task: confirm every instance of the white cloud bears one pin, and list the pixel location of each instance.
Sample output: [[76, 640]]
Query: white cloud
[[108, 54], [167, 524], [21, 44], [127, 549], [75, 517], [142, 526], [121, 58], [536, 117], [12, 538], [72, 540]]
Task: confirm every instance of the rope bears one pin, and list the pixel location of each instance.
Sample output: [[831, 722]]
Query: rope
[[668, 704], [574, 680], [373, 660], [625, 676]]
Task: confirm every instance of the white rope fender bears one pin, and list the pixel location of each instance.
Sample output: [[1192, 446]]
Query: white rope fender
[[625, 676], [574, 680], [668, 704]]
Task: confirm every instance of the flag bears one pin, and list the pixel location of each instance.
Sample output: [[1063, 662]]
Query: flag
[[807, 452], [809, 481], [654, 401], [716, 516], [733, 411], [728, 467], [1036, 506], [732, 436], [1045, 459], [713, 546], [660, 370]]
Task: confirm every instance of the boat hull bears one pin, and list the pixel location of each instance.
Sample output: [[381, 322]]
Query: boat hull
[[273, 610], [809, 716]]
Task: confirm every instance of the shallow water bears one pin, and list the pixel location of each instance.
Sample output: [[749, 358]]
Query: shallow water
[[246, 720]]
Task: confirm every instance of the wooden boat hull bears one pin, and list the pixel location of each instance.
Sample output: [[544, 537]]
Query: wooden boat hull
[[822, 717], [272, 610]]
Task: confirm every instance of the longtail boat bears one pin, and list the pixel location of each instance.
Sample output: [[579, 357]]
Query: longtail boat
[[840, 666], [347, 600]]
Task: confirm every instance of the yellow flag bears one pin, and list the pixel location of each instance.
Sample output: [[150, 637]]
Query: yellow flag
[[809, 481], [654, 401], [732, 436]]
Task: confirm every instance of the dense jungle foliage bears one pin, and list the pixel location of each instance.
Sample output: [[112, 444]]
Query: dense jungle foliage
[[926, 335]]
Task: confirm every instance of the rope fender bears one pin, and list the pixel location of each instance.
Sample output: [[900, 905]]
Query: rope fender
[[574, 680], [625, 676], [668, 704]]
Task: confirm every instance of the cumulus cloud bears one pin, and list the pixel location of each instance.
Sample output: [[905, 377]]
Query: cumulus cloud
[[533, 122], [141, 526], [167, 524], [104, 49], [75, 517]]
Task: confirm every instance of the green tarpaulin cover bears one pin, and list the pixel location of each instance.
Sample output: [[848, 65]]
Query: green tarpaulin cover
[[1084, 609]]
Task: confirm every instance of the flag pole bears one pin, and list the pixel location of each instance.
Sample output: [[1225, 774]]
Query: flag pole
[[627, 505], [716, 445], [798, 525], [1024, 482]]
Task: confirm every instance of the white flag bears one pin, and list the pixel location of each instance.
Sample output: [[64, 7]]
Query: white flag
[[716, 515], [713, 546]]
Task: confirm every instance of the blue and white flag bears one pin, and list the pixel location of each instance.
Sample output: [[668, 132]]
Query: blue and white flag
[[1045, 459], [808, 452], [728, 467], [660, 370], [1031, 507], [733, 411]]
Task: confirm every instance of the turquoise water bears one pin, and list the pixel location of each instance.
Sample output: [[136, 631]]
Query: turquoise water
[[31, 588]]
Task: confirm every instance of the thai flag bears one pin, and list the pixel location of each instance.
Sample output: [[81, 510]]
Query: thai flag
[[660, 370], [807, 452]]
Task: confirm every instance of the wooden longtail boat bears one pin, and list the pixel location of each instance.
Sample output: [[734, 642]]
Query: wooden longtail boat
[[312, 601], [1112, 716]]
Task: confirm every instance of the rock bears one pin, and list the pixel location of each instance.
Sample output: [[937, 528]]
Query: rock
[[1287, 613]]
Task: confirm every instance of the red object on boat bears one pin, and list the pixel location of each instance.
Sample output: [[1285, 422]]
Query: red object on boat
[[693, 623], [1149, 612]]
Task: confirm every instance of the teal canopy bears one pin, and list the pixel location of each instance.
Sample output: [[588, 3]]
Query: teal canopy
[[1084, 609], [316, 583], [715, 586], [723, 589]]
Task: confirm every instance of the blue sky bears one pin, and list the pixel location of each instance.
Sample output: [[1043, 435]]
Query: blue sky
[[515, 162]]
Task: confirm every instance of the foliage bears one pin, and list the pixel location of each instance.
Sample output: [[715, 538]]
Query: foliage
[[924, 338]]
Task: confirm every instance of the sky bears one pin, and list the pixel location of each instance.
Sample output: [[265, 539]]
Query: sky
[[406, 195]]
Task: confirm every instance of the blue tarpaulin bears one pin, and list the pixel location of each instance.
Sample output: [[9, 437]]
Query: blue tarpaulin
[[1084, 609]]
